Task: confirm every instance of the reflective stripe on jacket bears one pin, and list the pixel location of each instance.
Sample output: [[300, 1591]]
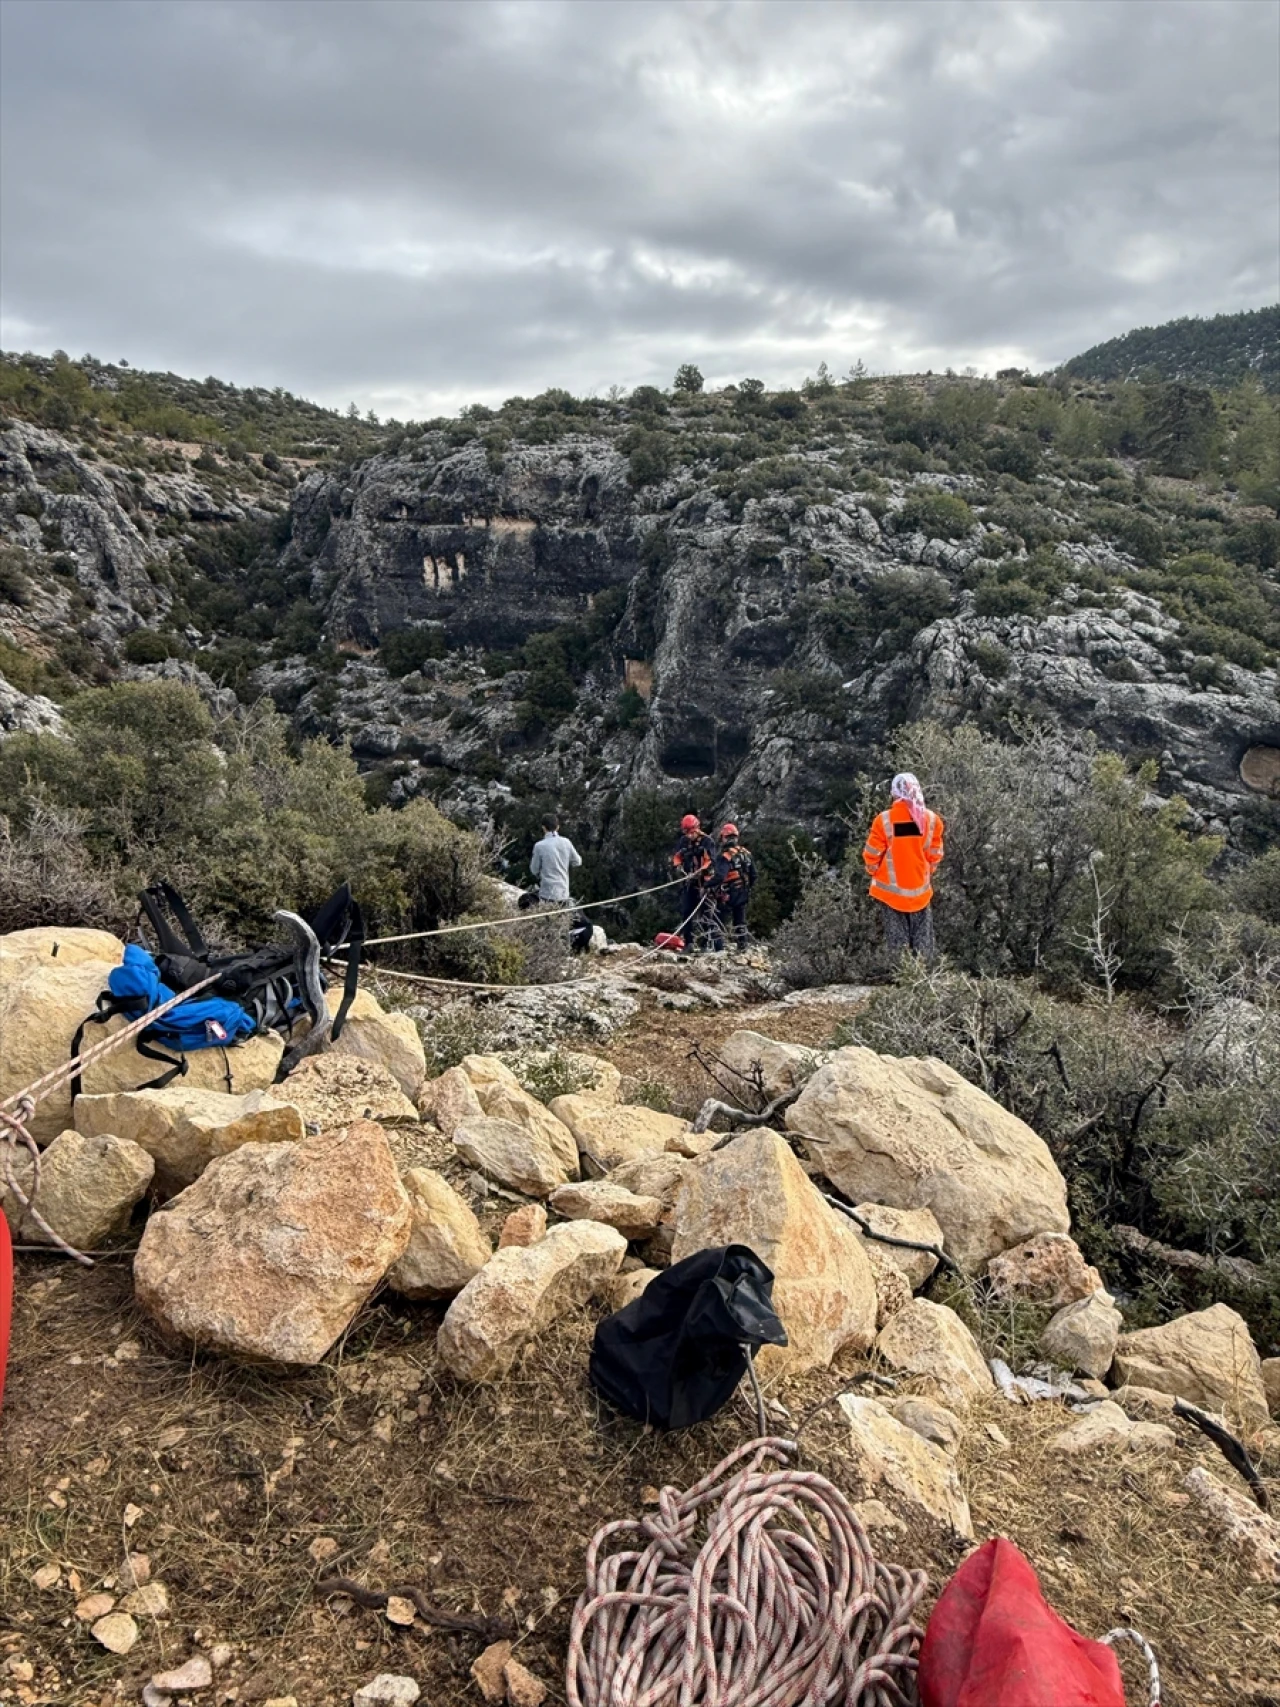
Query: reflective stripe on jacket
[[900, 861]]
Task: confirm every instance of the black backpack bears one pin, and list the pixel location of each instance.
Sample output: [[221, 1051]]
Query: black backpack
[[675, 1355]]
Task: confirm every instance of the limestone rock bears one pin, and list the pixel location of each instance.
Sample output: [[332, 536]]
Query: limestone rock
[[1083, 1335], [1047, 1269], [1270, 1372], [387, 1690], [510, 1154], [183, 1129], [488, 1671], [388, 1040], [509, 1102], [250, 1065], [488, 1070], [893, 1290], [42, 1002], [603, 1200], [615, 1133], [755, 1193], [333, 1090], [520, 1291], [918, 1224], [756, 1062], [273, 1250], [1143, 1402], [1238, 1523], [655, 1175], [117, 1632], [899, 1466], [523, 1688], [446, 1245], [67, 945], [930, 1340], [88, 1188], [1206, 1357], [914, 1134], [626, 1288], [933, 1422], [449, 1100], [1106, 1425], [524, 1226]]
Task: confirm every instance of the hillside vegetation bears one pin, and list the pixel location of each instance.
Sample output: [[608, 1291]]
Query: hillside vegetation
[[1217, 352]]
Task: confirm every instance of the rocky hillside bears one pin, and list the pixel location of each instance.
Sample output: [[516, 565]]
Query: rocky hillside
[[626, 606], [1217, 352]]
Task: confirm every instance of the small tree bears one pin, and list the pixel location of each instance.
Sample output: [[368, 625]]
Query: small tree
[[688, 379]]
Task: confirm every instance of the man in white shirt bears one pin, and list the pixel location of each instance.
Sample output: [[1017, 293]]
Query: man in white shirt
[[554, 857]]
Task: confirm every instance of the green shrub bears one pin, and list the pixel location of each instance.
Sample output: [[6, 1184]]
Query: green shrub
[[650, 458], [151, 646], [941, 515], [1015, 597], [405, 650]]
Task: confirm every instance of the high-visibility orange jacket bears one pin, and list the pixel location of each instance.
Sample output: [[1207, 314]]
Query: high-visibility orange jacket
[[900, 861]]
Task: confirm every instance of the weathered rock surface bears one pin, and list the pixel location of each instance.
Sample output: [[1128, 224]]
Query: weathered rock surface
[[251, 1065], [1270, 1372], [387, 1040], [449, 1100], [509, 1102], [893, 1290], [510, 1154], [755, 1193], [603, 1200], [899, 1466], [1107, 1426], [88, 1188], [67, 946], [918, 1224], [615, 1133], [42, 1003], [273, 1250], [333, 1090], [1083, 1335], [914, 1134], [626, 1288], [446, 1244], [1206, 1357], [930, 1340], [1047, 1269], [655, 1175], [524, 1226], [758, 1064], [934, 1422], [183, 1129], [520, 1291], [388, 1689], [1237, 1523]]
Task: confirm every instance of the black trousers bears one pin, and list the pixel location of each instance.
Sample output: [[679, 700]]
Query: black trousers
[[733, 915]]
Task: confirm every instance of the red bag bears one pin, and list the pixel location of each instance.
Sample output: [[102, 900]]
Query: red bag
[[993, 1641], [669, 939], [6, 1296]]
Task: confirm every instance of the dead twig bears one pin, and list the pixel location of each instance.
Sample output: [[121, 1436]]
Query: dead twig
[[375, 1600], [1231, 1449]]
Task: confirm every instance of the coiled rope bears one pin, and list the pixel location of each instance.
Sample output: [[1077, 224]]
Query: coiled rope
[[783, 1604]]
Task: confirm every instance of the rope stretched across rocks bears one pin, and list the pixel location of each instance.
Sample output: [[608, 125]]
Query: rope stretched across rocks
[[783, 1604], [523, 918]]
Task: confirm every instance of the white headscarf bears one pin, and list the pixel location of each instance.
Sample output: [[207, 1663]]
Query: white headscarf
[[906, 787]]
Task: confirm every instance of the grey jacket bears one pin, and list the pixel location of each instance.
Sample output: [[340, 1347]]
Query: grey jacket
[[554, 857]]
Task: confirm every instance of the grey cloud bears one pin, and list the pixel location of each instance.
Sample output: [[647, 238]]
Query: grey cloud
[[416, 204]]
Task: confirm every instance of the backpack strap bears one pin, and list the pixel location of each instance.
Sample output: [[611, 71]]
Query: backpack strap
[[355, 949], [161, 899], [108, 1006]]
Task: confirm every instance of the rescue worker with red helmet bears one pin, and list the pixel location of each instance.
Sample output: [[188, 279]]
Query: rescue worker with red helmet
[[693, 858], [735, 873], [902, 852]]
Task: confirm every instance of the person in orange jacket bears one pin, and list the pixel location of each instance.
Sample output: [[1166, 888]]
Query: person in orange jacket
[[904, 849]]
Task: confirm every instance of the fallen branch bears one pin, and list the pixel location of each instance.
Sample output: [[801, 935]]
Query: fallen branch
[[936, 1251], [470, 1624], [742, 1116], [1237, 1269], [1232, 1450]]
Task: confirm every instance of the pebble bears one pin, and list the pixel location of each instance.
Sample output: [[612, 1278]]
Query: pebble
[[153, 1697], [220, 1655], [94, 1606], [399, 1610], [197, 1673], [322, 1548], [489, 1671], [48, 1576], [149, 1601], [387, 1690], [117, 1632], [523, 1688]]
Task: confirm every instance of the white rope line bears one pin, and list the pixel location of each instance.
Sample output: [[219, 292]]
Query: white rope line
[[522, 918]]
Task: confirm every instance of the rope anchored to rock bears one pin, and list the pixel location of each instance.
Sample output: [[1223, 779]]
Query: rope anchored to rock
[[782, 1604]]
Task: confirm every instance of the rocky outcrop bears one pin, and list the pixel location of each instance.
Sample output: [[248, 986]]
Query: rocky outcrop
[[755, 1193], [183, 1130], [333, 1090], [930, 1340], [1047, 1269], [87, 1192], [1207, 1357], [894, 1463], [388, 1040], [915, 1134], [1083, 1335], [511, 1154], [520, 1291], [446, 1246], [611, 1134], [603, 1200], [273, 1250]]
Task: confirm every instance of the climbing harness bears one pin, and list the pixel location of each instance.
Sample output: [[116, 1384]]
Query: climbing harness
[[782, 1602]]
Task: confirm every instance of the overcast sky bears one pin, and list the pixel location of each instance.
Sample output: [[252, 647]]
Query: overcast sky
[[419, 205]]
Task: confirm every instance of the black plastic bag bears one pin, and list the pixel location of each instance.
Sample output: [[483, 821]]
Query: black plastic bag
[[675, 1355]]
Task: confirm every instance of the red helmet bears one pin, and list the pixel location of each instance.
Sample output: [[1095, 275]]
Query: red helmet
[[728, 830], [689, 823]]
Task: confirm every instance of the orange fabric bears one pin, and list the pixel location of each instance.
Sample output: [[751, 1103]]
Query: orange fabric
[[901, 867]]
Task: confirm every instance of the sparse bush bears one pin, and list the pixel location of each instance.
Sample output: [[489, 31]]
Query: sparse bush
[[151, 646], [941, 515], [688, 379]]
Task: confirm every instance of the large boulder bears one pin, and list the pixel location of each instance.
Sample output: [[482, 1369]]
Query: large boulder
[[509, 1102], [446, 1244], [915, 1134], [603, 1200], [88, 1188], [332, 1090], [930, 1340], [1207, 1357], [42, 1003], [896, 1464], [449, 1100], [920, 1225], [611, 1134], [250, 1065], [273, 1250], [755, 1193], [520, 1291], [1048, 1269], [389, 1040], [1083, 1335], [511, 1154], [66, 945], [183, 1129], [761, 1065]]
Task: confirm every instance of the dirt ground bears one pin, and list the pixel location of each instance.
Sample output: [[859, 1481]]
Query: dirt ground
[[244, 1487]]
